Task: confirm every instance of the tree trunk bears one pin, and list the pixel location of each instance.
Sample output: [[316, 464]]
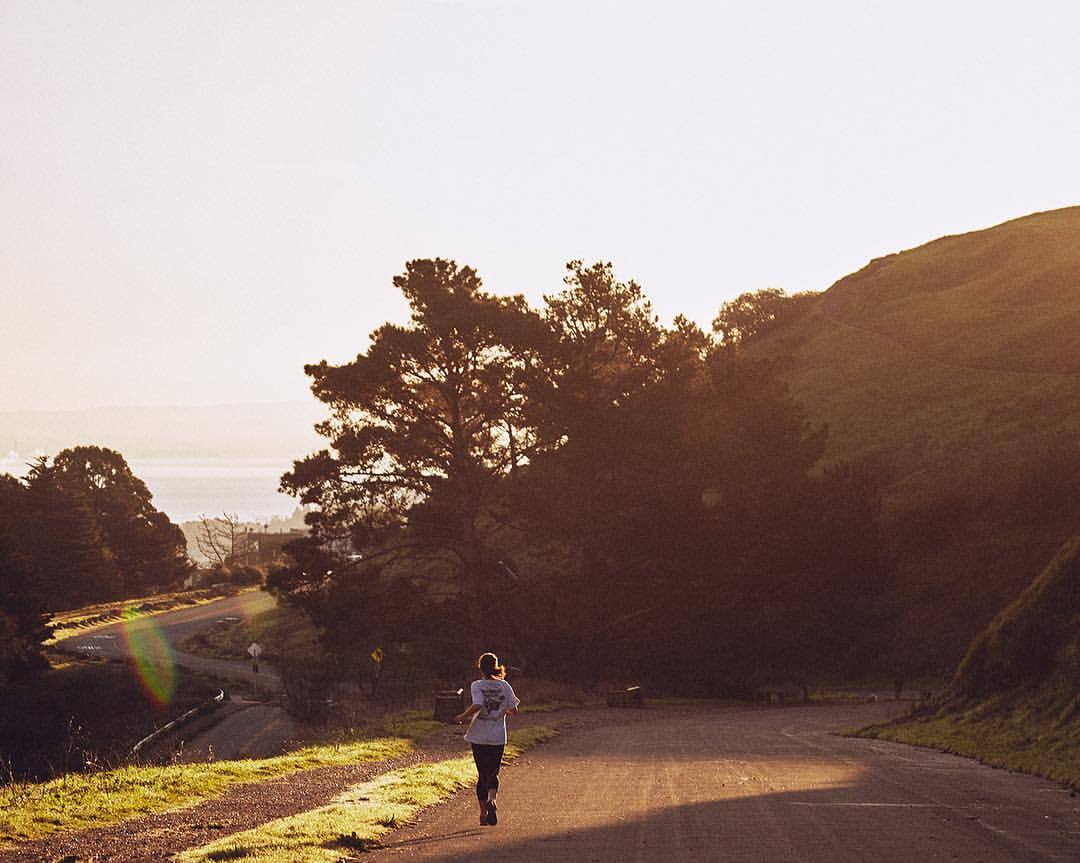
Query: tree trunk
[[472, 587], [590, 596]]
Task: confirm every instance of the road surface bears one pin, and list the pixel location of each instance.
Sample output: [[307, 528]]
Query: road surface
[[749, 785], [244, 729], [138, 638], [249, 729]]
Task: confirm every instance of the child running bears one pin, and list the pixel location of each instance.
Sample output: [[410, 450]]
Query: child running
[[492, 699]]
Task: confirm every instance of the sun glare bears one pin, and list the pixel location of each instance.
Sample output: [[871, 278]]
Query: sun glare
[[154, 662]]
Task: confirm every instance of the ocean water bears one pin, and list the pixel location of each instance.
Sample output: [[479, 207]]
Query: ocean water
[[187, 488]]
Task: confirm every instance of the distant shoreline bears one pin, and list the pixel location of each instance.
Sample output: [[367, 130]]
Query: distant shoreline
[[186, 488]]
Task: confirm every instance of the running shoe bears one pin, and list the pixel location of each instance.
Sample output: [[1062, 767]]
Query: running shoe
[[492, 813]]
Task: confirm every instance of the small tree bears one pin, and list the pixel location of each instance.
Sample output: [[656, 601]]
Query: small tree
[[148, 548], [753, 313], [218, 538], [427, 420]]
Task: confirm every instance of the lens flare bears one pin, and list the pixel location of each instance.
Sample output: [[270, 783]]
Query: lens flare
[[152, 655]]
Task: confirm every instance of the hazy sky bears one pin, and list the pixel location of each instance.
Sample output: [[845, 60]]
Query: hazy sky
[[197, 198]]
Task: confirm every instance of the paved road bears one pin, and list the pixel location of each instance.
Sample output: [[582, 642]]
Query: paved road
[[250, 729], [144, 638], [766, 785]]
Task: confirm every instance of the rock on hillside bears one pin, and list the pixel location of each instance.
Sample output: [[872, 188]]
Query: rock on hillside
[[954, 367]]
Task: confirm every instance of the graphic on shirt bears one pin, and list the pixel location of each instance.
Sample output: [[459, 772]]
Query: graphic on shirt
[[493, 698], [493, 702]]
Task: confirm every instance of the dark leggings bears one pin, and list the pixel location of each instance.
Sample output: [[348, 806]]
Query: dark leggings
[[488, 760]]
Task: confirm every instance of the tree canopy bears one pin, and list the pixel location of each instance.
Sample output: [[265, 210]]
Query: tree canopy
[[22, 612], [88, 526], [755, 312], [429, 417], [598, 493], [147, 548]]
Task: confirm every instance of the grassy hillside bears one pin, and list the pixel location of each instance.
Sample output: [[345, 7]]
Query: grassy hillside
[[1015, 700], [955, 367], [1035, 642]]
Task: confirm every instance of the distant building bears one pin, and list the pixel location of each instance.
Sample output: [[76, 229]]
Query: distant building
[[264, 548]]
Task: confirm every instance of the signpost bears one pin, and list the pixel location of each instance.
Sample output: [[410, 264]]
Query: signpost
[[254, 650], [377, 658]]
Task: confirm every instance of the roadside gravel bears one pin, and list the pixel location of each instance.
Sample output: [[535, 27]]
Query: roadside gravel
[[159, 836]]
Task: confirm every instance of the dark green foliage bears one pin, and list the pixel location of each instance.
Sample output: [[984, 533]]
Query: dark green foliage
[[149, 550], [50, 553], [755, 313], [238, 574], [586, 491], [682, 485], [23, 618], [702, 534], [58, 721], [87, 527], [57, 531], [428, 415]]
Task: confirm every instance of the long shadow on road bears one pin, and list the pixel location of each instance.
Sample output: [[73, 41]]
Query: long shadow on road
[[750, 786]]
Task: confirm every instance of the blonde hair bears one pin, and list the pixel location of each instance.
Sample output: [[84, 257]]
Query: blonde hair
[[488, 663]]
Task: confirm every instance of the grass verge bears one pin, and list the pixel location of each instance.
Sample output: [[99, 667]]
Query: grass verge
[[281, 631], [91, 617], [358, 817], [81, 800], [59, 721], [1024, 735], [414, 724]]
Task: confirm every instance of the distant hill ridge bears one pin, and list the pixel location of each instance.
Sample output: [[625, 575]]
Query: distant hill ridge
[[1006, 298], [955, 368], [254, 430]]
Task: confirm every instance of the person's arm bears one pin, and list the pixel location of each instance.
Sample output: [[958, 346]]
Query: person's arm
[[476, 706], [468, 712], [515, 701]]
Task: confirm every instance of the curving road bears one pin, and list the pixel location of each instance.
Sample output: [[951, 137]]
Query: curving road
[[144, 637], [749, 785]]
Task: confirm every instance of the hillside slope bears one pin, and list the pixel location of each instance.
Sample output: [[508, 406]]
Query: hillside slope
[[955, 368], [1015, 700], [1034, 643]]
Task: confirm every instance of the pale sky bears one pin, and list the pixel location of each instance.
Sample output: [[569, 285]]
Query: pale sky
[[196, 198]]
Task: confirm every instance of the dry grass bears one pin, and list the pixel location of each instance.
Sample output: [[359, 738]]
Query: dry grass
[[88, 618], [957, 366], [284, 631], [358, 817], [1015, 732], [80, 800]]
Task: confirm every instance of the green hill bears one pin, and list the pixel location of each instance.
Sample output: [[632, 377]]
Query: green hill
[[1034, 644], [1015, 700], [955, 368]]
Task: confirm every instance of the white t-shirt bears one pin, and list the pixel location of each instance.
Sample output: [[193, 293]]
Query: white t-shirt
[[488, 726]]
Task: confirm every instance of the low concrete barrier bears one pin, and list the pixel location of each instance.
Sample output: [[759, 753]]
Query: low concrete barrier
[[212, 704], [629, 697]]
